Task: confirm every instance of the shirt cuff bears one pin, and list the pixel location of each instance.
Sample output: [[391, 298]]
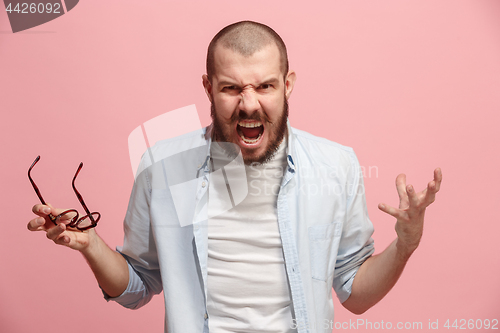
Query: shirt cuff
[[343, 284], [135, 290]]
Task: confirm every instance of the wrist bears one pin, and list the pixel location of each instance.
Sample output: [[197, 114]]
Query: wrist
[[405, 250], [93, 245]]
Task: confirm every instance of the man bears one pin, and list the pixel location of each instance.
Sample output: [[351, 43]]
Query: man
[[268, 263]]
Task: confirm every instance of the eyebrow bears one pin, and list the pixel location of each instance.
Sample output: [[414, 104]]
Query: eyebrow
[[271, 81], [229, 83], [226, 83]]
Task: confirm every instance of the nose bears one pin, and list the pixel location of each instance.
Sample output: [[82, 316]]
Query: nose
[[249, 102]]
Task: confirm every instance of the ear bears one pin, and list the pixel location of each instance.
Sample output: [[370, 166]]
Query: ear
[[208, 87], [289, 83]]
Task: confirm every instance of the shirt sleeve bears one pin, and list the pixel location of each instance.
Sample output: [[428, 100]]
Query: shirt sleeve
[[139, 248], [356, 244]]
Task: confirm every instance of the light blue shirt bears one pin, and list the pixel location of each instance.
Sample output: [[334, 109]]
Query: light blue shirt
[[322, 218]]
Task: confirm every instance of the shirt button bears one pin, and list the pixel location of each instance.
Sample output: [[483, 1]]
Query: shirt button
[[205, 316], [203, 184]]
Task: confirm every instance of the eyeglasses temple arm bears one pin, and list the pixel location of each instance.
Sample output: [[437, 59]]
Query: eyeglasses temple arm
[[37, 191], [79, 196]]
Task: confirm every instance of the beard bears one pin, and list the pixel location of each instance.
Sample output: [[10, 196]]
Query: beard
[[276, 133]]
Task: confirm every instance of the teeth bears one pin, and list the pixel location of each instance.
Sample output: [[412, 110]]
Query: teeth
[[250, 125], [250, 141]]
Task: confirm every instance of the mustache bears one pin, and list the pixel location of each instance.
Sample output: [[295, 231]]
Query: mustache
[[259, 116]]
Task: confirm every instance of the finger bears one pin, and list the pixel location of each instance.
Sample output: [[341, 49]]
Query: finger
[[438, 177], [66, 218], [433, 187], [401, 188], [62, 239], [41, 210], [36, 224], [430, 193], [53, 233], [55, 211], [412, 196], [397, 213], [45, 210]]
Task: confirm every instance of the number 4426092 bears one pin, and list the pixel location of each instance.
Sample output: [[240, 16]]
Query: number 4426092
[[471, 324], [32, 8]]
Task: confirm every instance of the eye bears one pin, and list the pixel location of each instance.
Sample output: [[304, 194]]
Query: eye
[[229, 88], [265, 86]]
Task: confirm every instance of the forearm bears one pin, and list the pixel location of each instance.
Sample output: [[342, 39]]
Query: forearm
[[376, 277], [378, 274], [108, 266]]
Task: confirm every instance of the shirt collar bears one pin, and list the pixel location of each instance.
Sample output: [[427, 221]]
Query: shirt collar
[[208, 137], [290, 151]]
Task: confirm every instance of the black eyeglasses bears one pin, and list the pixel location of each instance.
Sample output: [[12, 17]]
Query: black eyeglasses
[[86, 222]]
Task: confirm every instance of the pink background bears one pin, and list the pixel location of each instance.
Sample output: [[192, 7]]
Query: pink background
[[410, 85]]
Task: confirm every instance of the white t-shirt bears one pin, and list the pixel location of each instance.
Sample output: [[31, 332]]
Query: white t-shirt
[[247, 284]]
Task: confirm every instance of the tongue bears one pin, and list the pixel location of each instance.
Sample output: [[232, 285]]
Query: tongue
[[250, 133]]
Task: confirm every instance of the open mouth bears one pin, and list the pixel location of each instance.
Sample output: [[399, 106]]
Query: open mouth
[[250, 132]]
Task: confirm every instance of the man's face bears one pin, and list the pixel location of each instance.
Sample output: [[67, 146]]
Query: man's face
[[249, 101]]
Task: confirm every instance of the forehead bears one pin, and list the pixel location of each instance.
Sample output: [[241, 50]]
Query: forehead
[[261, 65]]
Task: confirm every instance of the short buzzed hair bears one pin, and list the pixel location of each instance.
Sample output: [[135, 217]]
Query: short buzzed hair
[[246, 38]]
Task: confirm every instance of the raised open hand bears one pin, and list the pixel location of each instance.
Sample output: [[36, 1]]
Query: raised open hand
[[411, 211]]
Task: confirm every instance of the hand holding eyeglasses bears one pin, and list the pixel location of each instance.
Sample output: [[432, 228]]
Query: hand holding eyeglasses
[[64, 227]]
